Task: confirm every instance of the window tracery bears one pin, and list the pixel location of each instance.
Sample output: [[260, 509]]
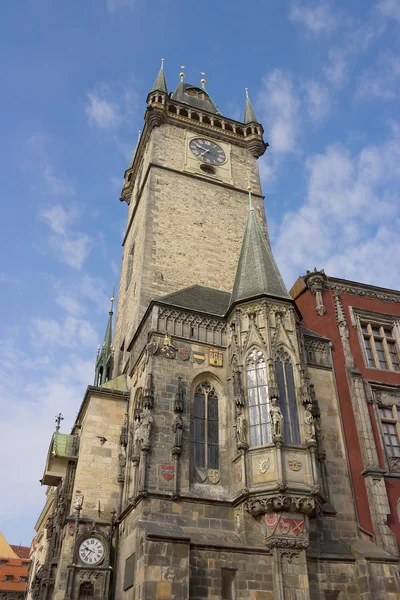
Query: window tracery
[[287, 396], [205, 427], [258, 399]]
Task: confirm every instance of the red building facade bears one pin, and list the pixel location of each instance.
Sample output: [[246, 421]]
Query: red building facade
[[363, 323]]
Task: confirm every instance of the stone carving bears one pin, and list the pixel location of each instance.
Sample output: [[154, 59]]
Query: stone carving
[[121, 467], [278, 503], [263, 464], [145, 429], [123, 438], [181, 323], [78, 501], [238, 388], [276, 420], [272, 386], [309, 424], [168, 350], [177, 428], [343, 331], [394, 464], [315, 282], [136, 438], [148, 396], [359, 291], [289, 557], [241, 427], [179, 396], [278, 542]]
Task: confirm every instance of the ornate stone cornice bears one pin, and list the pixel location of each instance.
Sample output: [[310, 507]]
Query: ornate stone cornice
[[364, 292], [278, 542]]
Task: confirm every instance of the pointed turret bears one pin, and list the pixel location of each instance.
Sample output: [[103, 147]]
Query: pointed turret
[[160, 84], [257, 273], [249, 112], [135, 150], [105, 356]]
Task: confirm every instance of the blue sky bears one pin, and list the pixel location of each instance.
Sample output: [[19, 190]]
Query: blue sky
[[324, 79]]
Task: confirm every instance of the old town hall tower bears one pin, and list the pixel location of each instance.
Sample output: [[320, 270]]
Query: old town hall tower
[[207, 460]]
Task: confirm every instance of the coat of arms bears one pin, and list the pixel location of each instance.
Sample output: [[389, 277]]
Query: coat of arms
[[271, 520], [168, 349], [167, 472], [298, 526], [213, 476], [295, 464], [215, 357], [184, 353], [285, 525], [263, 465], [199, 357], [239, 473]]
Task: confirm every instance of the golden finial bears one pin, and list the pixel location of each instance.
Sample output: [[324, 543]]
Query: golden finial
[[203, 81], [112, 299], [182, 74]]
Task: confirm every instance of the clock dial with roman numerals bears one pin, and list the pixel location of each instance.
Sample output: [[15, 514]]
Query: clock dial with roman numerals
[[91, 551], [207, 151]]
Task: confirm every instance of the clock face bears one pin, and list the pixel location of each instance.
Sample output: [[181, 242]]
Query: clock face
[[207, 151], [91, 551]]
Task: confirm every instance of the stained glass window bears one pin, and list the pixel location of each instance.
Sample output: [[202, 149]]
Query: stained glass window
[[287, 397]]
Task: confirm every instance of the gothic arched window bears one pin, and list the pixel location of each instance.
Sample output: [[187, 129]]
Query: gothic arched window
[[287, 397], [205, 427], [257, 393], [86, 591]]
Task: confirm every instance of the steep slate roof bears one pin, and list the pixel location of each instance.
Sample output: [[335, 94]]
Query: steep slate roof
[[160, 84], [180, 96], [257, 273], [249, 112], [199, 298]]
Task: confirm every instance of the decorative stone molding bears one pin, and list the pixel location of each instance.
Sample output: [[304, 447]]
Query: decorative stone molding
[[277, 503], [342, 288], [317, 352], [343, 331], [315, 281], [155, 117], [191, 326], [394, 464], [276, 542]]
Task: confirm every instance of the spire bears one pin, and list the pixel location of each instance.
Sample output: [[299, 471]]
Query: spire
[[257, 273], [249, 112], [135, 150], [105, 355], [160, 84]]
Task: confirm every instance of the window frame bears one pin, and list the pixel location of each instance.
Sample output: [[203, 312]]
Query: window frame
[[393, 420], [379, 343], [288, 401], [208, 447], [264, 434]]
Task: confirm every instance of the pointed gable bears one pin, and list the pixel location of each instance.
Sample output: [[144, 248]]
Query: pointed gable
[[160, 84], [257, 273], [249, 112]]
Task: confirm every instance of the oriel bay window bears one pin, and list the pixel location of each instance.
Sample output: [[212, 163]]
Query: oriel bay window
[[206, 434], [287, 397], [258, 399]]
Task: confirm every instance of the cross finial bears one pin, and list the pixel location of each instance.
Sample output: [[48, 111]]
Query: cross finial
[[59, 418]]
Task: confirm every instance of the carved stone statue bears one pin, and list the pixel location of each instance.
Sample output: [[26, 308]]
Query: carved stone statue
[[240, 427], [145, 428], [238, 388], [121, 466], [177, 428], [179, 396], [309, 423], [136, 437], [276, 419]]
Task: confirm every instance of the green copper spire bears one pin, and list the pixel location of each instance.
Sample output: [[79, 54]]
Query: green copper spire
[[160, 84], [105, 355], [257, 273], [249, 112]]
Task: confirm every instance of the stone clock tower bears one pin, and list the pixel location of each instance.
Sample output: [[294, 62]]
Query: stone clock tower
[[208, 460]]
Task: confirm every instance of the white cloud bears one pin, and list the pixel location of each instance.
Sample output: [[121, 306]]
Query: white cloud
[[338, 66], [317, 99], [316, 16], [279, 110], [382, 81], [390, 8], [114, 4], [348, 223], [71, 333], [102, 113], [71, 248], [56, 186]]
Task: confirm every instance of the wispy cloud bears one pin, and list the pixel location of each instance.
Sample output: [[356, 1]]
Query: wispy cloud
[[380, 81], [317, 17], [317, 99], [56, 186], [114, 4], [390, 8], [351, 207], [102, 112], [69, 247], [279, 107], [70, 333]]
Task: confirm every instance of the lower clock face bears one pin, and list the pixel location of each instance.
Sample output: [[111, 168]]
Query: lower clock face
[[91, 551], [207, 151]]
